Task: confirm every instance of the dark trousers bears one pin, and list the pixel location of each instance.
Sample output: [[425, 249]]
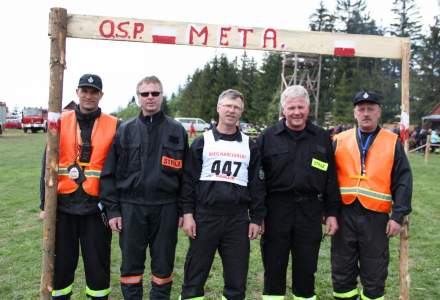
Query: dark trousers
[[228, 235], [360, 247], [155, 227], [291, 228], [94, 237]]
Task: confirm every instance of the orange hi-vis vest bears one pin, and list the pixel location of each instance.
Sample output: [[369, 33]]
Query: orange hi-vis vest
[[104, 128], [373, 189]]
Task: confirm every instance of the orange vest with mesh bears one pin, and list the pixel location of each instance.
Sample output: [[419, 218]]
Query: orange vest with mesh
[[373, 189], [104, 129]]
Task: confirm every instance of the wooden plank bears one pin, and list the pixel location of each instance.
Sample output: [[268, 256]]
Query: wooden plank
[[229, 36]]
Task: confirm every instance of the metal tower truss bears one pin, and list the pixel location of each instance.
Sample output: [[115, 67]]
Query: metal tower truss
[[303, 69]]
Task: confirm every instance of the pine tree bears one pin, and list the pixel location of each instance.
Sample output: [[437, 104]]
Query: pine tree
[[406, 21], [322, 19], [267, 88], [247, 76], [427, 84]]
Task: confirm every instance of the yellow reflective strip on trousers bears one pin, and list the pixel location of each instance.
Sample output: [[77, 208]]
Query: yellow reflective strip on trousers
[[302, 298], [98, 293], [195, 298], [349, 294], [272, 297], [363, 297], [62, 292]]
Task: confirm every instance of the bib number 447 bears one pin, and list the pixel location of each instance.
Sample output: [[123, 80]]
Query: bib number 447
[[226, 169]]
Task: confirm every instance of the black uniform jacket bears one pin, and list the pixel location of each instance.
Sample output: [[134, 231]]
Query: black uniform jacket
[[300, 165], [78, 202], [144, 163], [222, 198], [401, 178]]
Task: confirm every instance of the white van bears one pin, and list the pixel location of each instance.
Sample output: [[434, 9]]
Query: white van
[[199, 124]]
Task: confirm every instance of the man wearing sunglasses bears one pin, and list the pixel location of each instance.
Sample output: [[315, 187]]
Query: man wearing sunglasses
[[140, 186]]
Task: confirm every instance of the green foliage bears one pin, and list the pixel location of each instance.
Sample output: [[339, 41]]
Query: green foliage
[[427, 79], [322, 19], [131, 111], [20, 235]]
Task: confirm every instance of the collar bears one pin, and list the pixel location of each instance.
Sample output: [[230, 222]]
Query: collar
[[153, 119], [87, 117], [280, 126], [227, 137], [375, 132]]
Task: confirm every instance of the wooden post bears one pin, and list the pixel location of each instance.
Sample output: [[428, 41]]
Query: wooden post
[[404, 235], [427, 147], [58, 33]]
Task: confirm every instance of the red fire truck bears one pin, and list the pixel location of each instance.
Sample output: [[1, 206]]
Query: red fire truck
[[34, 119]]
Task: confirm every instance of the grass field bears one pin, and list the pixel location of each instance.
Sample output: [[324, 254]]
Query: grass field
[[20, 234]]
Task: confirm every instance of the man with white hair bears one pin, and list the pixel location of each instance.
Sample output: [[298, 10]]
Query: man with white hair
[[302, 188]]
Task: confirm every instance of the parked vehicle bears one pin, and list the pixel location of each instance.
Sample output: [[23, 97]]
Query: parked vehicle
[[199, 124], [3, 113], [34, 119], [13, 122]]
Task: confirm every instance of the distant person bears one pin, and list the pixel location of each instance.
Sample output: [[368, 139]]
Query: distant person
[[140, 186], [85, 138], [375, 180], [434, 140], [222, 202], [192, 130], [212, 124], [302, 191]]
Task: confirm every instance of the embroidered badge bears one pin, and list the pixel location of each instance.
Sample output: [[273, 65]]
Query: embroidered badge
[[316, 163], [171, 162], [90, 80]]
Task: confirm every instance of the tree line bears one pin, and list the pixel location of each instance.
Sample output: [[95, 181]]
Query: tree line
[[341, 77]]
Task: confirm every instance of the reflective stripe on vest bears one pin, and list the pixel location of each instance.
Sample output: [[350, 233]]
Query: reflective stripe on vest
[[132, 279], [373, 189], [62, 292], [161, 281], [194, 298], [97, 293], [349, 294], [104, 128]]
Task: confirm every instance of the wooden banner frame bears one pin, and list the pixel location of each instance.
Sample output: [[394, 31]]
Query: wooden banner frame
[[63, 25]]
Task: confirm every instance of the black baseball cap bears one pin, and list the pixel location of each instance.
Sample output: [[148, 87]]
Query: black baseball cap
[[366, 96], [90, 80]]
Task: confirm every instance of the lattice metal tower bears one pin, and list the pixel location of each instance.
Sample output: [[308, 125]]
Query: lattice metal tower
[[303, 69]]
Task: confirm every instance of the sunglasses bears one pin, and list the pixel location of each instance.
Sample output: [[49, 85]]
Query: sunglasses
[[146, 94]]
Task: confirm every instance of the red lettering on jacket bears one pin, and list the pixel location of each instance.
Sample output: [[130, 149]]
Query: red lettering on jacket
[[171, 162]]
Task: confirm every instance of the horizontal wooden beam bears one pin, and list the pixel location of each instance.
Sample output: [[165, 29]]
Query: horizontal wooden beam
[[229, 36]]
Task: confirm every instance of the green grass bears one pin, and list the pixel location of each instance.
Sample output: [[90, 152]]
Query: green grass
[[20, 234]]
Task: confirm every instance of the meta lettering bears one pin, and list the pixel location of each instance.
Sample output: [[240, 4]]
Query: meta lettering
[[199, 36]]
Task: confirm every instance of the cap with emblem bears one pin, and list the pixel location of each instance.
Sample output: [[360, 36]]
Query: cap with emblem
[[90, 80], [364, 96]]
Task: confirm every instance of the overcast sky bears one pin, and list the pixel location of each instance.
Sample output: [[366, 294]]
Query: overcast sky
[[24, 49]]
